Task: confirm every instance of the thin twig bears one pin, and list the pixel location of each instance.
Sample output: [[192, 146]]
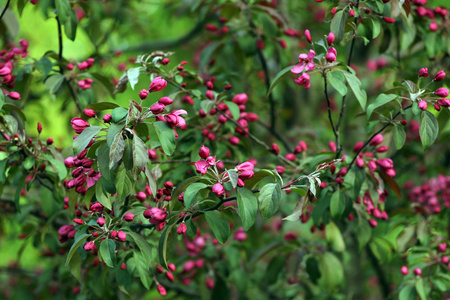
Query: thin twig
[[60, 41], [336, 132], [378, 132], [349, 61], [4, 10], [73, 93]]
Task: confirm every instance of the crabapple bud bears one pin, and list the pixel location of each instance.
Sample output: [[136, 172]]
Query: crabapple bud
[[382, 149], [360, 162], [204, 152], [417, 271], [181, 228], [101, 221], [423, 105], [275, 148], [49, 141], [161, 290], [89, 246], [378, 139], [209, 283], [373, 223], [389, 20], [280, 169], [290, 156], [107, 118], [351, 13], [358, 146], [90, 113], [128, 217], [240, 99], [404, 270], [122, 236], [218, 189], [308, 36], [165, 61], [171, 267], [441, 92], [157, 108], [143, 94], [330, 38], [234, 140], [423, 72], [439, 76], [157, 84], [433, 26], [14, 95]]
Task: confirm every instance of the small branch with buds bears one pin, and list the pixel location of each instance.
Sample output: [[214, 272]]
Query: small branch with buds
[[376, 133]]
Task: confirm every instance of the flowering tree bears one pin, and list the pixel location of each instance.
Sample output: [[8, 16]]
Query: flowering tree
[[216, 165]]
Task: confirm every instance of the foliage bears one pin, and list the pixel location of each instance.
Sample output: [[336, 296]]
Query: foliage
[[209, 163]]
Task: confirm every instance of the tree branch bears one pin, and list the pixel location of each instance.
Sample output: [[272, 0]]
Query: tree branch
[[335, 132], [341, 114], [60, 43], [4, 10], [371, 138]]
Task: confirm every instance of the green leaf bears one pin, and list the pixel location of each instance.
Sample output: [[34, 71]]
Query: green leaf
[[29, 162], [286, 72], [381, 100], [70, 26], [102, 106], [248, 206], [269, 200], [334, 237], [233, 175], [144, 246], [123, 279], [407, 293], [19, 185], [77, 243], [118, 114], [53, 83], [124, 184], [300, 206], [338, 25], [234, 109], [191, 192], [355, 85], [162, 245], [421, 289], [102, 197], [81, 142], [206, 105], [180, 188], [103, 164], [143, 271], [376, 28], [428, 129], [75, 266], [113, 130], [219, 226], [336, 80], [44, 65], [2, 100], [116, 151], [331, 270], [140, 155], [133, 76], [151, 180], [399, 137], [107, 251], [337, 205], [59, 167], [166, 137], [63, 10]]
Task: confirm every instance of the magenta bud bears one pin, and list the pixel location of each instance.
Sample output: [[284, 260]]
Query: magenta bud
[[404, 270], [423, 72], [143, 94], [157, 108], [165, 61], [209, 283], [204, 152], [441, 92], [439, 76], [107, 118], [90, 113], [79, 125], [157, 84], [89, 246], [240, 99], [234, 140], [423, 105], [14, 95], [181, 228], [330, 39], [165, 101], [308, 36], [122, 236], [101, 221], [378, 139], [218, 189], [128, 217], [417, 271]]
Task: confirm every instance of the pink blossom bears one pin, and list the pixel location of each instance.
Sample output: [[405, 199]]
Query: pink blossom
[[306, 62], [303, 80], [201, 166]]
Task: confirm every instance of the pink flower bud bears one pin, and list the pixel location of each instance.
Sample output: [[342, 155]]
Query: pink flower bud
[[358, 146], [290, 236], [351, 13], [423, 72], [360, 162], [170, 276], [390, 172], [155, 215], [280, 169], [107, 118], [78, 221], [342, 172], [83, 65], [290, 156], [423, 105], [5, 71], [234, 140], [404, 270], [122, 236], [157, 85], [378, 139], [89, 113], [275, 149], [308, 36], [165, 101], [101, 221], [382, 149], [128, 217], [161, 290], [439, 76], [417, 271], [209, 283], [165, 61], [433, 26], [14, 95], [444, 102], [218, 189], [240, 235], [332, 146], [69, 163], [442, 247], [209, 94], [157, 108], [330, 39], [188, 266], [143, 94], [260, 44], [79, 125], [49, 141], [204, 152], [441, 92], [389, 20], [89, 246], [247, 174], [240, 99], [181, 228], [373, 223], [330, 57]]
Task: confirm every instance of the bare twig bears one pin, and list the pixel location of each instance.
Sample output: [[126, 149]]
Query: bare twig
[[336, 132], [60, 43]]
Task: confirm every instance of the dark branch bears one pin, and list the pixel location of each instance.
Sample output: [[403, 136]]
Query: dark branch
[[4, 10], [60, 43], [336, 132]]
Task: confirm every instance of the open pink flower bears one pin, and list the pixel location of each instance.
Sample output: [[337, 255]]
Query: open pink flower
[[201, 166], [305, 62]]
